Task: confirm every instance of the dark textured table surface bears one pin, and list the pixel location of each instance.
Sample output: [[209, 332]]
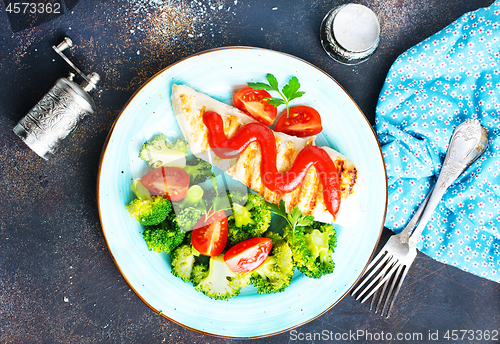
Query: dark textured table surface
[[58, 283]]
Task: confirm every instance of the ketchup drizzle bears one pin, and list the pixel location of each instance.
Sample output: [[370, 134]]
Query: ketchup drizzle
[[274, 180]]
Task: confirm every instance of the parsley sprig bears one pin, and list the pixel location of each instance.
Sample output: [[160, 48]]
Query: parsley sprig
[[288, 93], [295, 219]]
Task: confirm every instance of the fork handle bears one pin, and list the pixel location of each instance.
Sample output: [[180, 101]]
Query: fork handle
[[468, 142], [406, 232], [434, 199]]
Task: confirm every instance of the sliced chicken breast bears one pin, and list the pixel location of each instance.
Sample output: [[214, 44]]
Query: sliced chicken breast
[[189, 107]]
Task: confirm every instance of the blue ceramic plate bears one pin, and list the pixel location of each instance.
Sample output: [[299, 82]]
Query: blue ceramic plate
[[219, 73]]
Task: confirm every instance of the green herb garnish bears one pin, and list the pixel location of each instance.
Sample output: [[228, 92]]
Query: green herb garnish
[[295, 219], [289, 92]]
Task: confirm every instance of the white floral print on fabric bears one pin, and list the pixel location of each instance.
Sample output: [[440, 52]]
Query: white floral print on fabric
[[430, 89]]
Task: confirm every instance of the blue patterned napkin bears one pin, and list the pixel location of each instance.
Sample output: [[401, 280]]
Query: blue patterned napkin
[[449, 77]]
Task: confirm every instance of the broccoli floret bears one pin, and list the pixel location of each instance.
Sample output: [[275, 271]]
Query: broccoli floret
[[220, 283], [185, 219], [163, 237], [275, 274], [180, 146], [248, 221], [190, 209], [182, 260], [159, 152], [312, 247], [237, 196], [150, 212], [199, 273], [199, 171]]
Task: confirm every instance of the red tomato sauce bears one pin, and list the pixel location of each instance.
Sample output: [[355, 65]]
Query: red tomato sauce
[[274, 180]]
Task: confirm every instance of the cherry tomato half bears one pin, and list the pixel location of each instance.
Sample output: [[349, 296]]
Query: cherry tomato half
[[252, 102], [302, 121], [172, 182], [209, 237], [248, 255]]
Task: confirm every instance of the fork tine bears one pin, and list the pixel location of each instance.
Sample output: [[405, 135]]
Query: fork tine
[[397, 276], [397, 290], [380, 278], [383, 261], [375, 260], [387, 275], [374, 298], [379, 270], [381, 295]]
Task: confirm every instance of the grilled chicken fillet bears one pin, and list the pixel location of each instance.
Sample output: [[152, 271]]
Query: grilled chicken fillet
[[189, 107]]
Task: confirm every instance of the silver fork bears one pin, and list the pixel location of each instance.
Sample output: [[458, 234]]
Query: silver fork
[[390, 266]]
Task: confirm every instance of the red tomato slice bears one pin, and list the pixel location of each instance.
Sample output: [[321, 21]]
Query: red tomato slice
[[248, 255], [172, 182], [252, 102], [302, 121], [210, 237]]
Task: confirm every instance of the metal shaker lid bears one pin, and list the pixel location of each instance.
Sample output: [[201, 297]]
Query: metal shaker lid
[[350, 33]]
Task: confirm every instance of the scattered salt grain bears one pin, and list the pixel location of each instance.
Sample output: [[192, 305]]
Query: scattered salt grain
[[168, 21]]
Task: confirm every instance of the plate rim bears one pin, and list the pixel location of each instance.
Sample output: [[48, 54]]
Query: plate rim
[[106, 144]]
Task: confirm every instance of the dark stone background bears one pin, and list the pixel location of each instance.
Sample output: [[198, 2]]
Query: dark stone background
[[51, 245]]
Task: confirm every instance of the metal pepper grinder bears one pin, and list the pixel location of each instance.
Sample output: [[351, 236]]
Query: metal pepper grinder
[[58, 113]]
